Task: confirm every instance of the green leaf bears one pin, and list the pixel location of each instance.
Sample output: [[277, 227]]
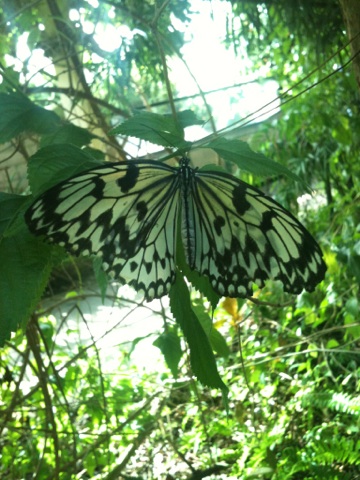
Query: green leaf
[[202, 284], [25, 269], [352, 332], [68, 133], [26, 263], [240, 153], [10, 77], [170, 347], [352, 306], [19, 114], [332, 343], [217, 341], [159, 129], [10, 204], [201, 356], [187, 118], [50, 165]]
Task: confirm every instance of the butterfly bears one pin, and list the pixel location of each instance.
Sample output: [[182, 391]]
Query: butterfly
[[129, 215]]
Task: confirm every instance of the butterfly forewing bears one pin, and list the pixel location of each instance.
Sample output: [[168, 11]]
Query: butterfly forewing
[[244, 237], [123, 213]]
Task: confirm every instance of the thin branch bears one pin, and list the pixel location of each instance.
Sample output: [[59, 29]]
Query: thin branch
[[33, 340]]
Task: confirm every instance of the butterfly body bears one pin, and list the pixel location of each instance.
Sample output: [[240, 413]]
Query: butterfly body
[[127, 214]]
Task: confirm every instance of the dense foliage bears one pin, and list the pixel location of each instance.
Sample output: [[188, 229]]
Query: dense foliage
[[110, 396]]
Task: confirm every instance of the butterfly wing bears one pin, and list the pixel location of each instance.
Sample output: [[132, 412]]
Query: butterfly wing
[[240, 237], [124, 213]]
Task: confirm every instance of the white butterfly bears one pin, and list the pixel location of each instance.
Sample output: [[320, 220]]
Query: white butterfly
[[127, 214]]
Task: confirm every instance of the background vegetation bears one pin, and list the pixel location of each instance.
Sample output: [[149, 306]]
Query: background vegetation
[[83, 397]]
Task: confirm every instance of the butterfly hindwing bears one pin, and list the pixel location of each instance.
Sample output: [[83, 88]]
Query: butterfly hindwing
[[123, 213]]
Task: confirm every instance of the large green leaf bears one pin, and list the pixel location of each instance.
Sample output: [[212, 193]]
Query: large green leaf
[[68, 133], [10, 203], [159, 129], [50, 165], [217, 341], [240, 153], [26, 264], [19, 114], [202, 357]]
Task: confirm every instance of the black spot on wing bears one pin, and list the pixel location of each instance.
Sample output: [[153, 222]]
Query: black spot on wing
[[219, 223], [142, 209], [129, 180], [239, 199], [98, 188]]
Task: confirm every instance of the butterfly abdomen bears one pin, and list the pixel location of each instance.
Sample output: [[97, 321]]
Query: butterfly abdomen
[[188, 234]]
